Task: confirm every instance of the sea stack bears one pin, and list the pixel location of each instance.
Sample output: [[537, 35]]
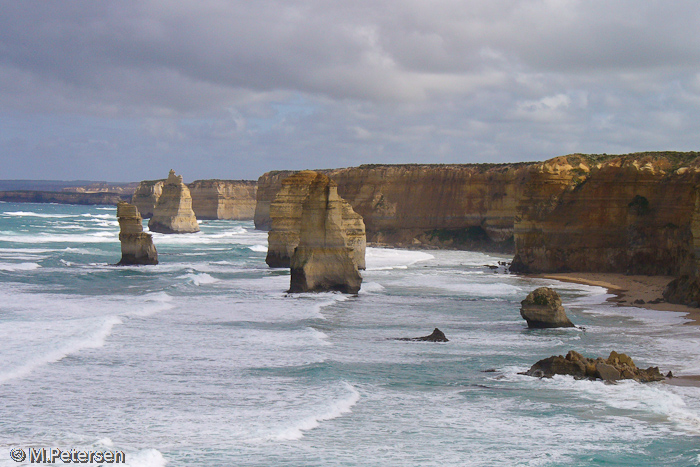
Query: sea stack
[[285, 217], [543, 309], [323, 260], [146, 196], [173, 213], [137, 246]]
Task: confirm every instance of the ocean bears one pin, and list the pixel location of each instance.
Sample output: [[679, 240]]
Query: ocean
[[205, 360]]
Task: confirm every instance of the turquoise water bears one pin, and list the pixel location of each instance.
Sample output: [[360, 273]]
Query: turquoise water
[[205, 360]]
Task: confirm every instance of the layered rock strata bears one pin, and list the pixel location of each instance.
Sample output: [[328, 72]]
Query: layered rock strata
[[286, 221], [615, 367], [470, 206], [323, 261], [223, 199], [137, 246], [627, 214], [686, 288], [146, 196], [542, 308], [211, 199], [173, 213]]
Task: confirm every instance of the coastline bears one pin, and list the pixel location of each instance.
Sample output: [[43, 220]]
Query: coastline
[[627, 289]]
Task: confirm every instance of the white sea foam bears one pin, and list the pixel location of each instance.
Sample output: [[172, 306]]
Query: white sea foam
[[259, 248], [150, 304], [36, 214], [69, 337], [369, 287], [104, 234], [230, 233], [321, 300], [55, 238], [334, 409], [145, 458], [19, 266], [379, 258], [199, 279], [22, 257]]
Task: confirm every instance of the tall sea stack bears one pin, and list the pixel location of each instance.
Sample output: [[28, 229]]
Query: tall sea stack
[[323, 261], [286, 221], [137, 246], [173, 213]]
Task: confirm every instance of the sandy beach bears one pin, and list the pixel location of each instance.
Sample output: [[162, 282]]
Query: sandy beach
[[631, 289], [627, 289]]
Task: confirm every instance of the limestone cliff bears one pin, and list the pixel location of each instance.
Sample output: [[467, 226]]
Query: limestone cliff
[[286, 224], [211, 199], [173, 213], [137, 246], [268, 185], [146, 196], [628, 214], [323, 261], [633, 213], [467, 206], [223, 199]]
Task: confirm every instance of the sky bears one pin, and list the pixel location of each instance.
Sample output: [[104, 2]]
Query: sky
[[126, 90]]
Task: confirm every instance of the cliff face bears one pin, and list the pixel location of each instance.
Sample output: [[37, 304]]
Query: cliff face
[[286, 219], [137, 246], [146, 196], [323, 261], [629, 214], [268, 185], [125, 189], [173, 213], [469, 206], [211, 199], [223, 199]]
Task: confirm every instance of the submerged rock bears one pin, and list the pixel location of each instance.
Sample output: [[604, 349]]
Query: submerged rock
[[436, 336], [323, 261], [542, 309], [173, 213], [137, 246], [617, 366]]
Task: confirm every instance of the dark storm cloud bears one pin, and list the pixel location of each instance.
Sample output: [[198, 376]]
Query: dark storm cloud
[[249, 86]]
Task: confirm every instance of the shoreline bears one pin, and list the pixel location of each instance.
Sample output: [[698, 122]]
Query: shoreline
[[628, 289]]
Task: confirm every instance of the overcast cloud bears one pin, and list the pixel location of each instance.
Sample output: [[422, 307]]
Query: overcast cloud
[[125, 90]]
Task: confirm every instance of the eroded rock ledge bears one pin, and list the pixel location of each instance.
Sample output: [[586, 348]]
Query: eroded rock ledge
[[615, 367]]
